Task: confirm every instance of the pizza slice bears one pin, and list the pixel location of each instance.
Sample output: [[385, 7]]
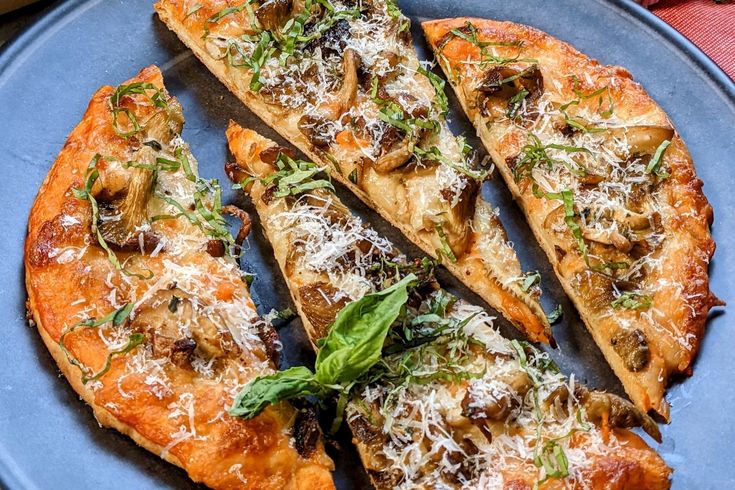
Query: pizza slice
[[135, 291], [607, 185], [434, 396], [341, 81]]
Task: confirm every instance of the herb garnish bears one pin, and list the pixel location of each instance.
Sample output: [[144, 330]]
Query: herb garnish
[[515, 103], [396, 13], [581, 96], [468, 33], [654, 165], [206, 216], [85, 194], [293, 177], [535, 154], [445, 250], [354, 344], [117, 318], [438, 83], [434, 154], [632, 300], [158, 99]]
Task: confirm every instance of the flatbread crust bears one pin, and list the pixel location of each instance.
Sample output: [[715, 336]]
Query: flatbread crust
[[410, 200], [665, 312], [174, 408], [604, 458]]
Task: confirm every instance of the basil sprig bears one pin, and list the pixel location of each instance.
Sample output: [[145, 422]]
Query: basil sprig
[[354, 345]]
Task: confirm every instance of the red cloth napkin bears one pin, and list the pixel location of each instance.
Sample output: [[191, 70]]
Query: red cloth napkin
[[709, 25]]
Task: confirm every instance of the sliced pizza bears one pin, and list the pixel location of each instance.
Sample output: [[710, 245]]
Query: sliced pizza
[[341, 81], [607, 185], [135, 291], [434, 396]]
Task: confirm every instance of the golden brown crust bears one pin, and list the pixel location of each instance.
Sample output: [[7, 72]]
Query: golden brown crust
[[477, 272], [632, 464], [682, 297], [69, 278]]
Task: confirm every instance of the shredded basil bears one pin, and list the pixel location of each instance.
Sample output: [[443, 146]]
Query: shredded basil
[[515, 103], [632, 300], [158, 99], [434, 154], [445, 250], [654, 165], [438, 83], [293, 177], [469, 33], [536, 153], [117, 318], [575, 123], [85, 194]]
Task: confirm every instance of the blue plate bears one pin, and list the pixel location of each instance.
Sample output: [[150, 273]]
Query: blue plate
[[49, 438]]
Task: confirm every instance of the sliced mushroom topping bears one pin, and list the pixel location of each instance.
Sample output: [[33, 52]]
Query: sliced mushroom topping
[[364, 431], [463, 470], [269, 336], [385, 479], [316, 129], [182, 351], [617, 411], [316, 126], [502, 402], [632, 347], [235, 172], [348, 91], [124, 220], [502, 87], [608, 237], [456, 226], [164, 313], [394, 159], [272, 14], [590, 180], [596, 287], [306, 431], [320, 306], [633, 220], [216, 248], [333, 40], [642, 140], [271, 154], [245, 222]]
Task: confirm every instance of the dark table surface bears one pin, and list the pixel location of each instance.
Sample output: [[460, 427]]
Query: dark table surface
[[13, 22]]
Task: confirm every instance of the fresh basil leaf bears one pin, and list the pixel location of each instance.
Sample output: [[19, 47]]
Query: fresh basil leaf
[[355, 340], [294, 382]]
